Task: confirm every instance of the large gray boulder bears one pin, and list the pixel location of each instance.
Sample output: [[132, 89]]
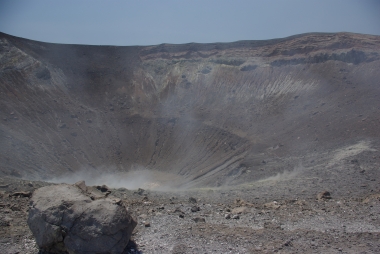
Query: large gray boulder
[[76, 219]]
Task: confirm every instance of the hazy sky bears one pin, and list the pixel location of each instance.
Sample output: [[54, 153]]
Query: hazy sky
[[147, 22]]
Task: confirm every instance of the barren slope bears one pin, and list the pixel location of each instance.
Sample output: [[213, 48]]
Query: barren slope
[[202, 114]]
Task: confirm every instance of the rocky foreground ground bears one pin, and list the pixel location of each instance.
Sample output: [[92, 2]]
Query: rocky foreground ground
[[234, 220]]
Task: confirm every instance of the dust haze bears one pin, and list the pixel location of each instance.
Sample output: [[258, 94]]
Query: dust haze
[[286, 175], [137, 177]]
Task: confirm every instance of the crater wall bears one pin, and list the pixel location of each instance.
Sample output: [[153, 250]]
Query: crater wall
[[211, 114]]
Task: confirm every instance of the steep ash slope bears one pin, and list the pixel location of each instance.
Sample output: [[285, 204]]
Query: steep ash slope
[[207, 114]]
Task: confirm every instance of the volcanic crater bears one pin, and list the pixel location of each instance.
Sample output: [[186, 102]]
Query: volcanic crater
[[280, 119]]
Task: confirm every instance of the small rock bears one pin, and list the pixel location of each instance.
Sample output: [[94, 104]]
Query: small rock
[[117, 201], [272, 205], [178, 210], [147, 224], [235, 217], [81, 185], [140, 191], [103, 188], [324, 195], [239, 201], [199, 219], [192, 200], [271, 225], [180, 249], [195, 209], [239, 210], [4, 222], [23, 194], [288, 243], [227, 216], [15, 208], [143, 216]]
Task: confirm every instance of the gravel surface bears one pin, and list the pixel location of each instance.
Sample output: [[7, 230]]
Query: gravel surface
[[233, 220]]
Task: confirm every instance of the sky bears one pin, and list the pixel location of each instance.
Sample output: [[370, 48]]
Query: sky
[[151, 22]]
